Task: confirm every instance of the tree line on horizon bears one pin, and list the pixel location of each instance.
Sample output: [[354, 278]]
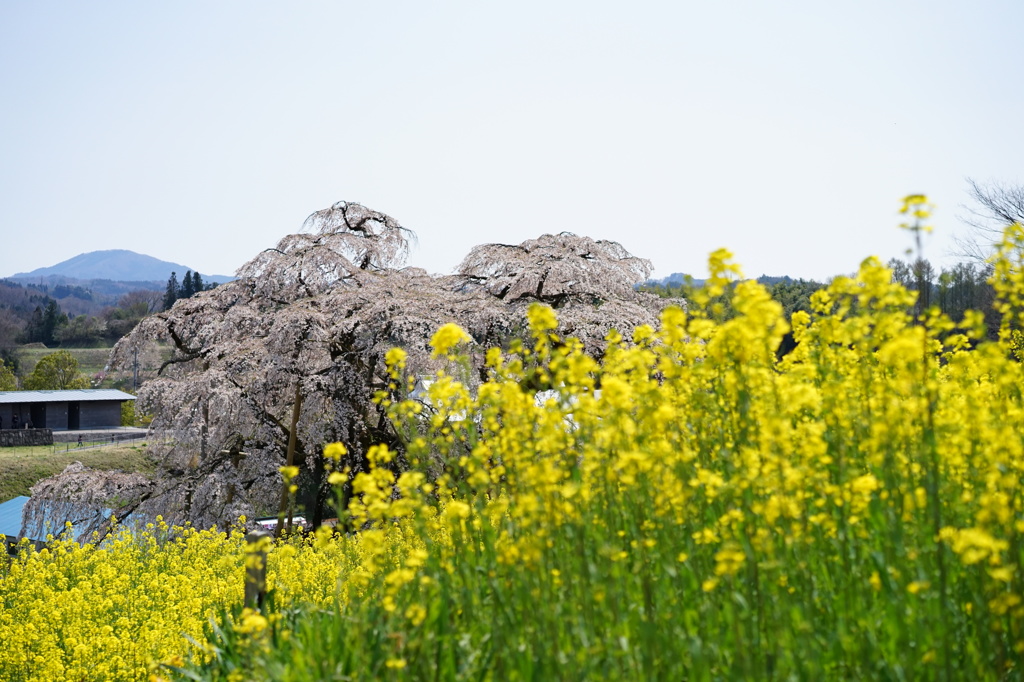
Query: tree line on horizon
[[953, 290], [964, 286], [190, 285]]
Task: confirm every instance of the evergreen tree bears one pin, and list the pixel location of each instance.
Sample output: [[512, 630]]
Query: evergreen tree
[[966, 287], [187, 286], [9, 357], [34, 328], [44, 323], [918, 276], [901, 273], [53, 319], [172, 292], [924, 276], [197, 283], [793, 294]]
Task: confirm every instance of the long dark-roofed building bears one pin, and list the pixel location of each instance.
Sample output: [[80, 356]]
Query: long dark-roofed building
[[68, 410]]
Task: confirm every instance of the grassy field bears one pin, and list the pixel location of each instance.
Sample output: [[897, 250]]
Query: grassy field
[[90, 360], [20, 468], [93, 361]]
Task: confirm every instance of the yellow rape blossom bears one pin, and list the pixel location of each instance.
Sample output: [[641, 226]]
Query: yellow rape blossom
[[447, 338]]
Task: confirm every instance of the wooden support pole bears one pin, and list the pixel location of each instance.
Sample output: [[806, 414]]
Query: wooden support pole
[[290, 460], [256, 544]]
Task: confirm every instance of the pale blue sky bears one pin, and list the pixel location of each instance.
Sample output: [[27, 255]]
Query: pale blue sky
[[202, 132]]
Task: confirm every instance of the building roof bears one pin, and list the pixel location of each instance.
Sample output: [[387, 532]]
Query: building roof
[[77, 395], [10, 516]]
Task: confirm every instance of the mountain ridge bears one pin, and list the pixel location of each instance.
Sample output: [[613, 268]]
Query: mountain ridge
[[117, 265]]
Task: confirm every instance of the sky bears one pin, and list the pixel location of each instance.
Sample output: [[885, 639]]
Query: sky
[[786, 131]]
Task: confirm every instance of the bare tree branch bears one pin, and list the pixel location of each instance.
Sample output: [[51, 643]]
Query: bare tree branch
[[996, 207]]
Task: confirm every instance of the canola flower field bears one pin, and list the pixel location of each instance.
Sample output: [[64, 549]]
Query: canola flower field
[[689, 507]]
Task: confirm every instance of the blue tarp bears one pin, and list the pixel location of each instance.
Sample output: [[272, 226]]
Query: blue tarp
[[10, 516]]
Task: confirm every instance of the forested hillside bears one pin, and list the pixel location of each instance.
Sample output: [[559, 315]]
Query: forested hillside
[[63, 313]]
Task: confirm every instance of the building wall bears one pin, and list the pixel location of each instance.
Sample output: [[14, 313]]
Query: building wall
[[92, 414], [99, 414], [7, 412], [56, 415]]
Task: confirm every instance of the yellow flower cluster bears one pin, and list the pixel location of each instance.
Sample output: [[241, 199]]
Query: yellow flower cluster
[[444, 341], [114, 611], [107, 612], [866, 488], [886, 444]]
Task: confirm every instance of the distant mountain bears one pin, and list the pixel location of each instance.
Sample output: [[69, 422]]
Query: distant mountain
[[678, 278], [118, 265], [675, 279]]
